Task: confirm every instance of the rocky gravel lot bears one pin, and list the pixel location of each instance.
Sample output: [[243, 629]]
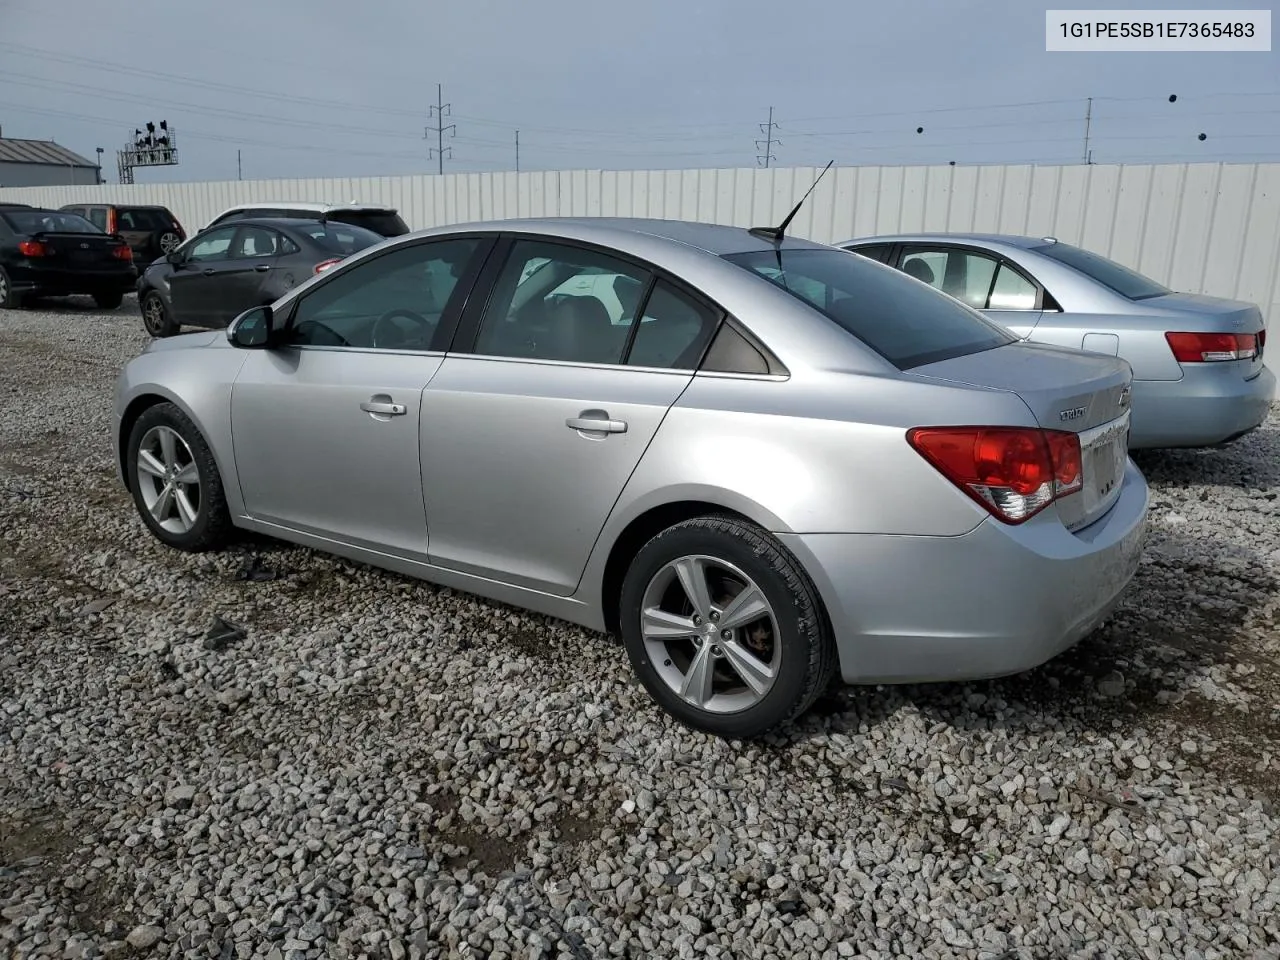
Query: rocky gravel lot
[[352, 763]]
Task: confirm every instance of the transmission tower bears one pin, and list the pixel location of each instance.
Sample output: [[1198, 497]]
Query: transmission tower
[[767, 144], [440, 111]]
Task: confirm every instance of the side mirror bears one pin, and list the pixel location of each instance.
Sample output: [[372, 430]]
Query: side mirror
[[252, 329], [173, 258]]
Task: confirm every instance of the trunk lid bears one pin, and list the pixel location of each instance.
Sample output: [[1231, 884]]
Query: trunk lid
[[81, 250], [1198, 313], [1082, 393]]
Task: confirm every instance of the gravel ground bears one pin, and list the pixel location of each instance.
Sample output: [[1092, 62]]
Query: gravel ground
[[378, 767]]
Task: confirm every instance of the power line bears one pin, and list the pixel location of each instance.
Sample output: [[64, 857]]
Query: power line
[[768, 141], [441, 111]]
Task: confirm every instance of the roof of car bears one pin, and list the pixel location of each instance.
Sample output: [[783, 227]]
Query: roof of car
[[997, 239], [714, 238], [309, 206], [280, 223]]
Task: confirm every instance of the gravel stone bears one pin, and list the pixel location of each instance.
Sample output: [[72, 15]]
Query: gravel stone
[[377, 767]]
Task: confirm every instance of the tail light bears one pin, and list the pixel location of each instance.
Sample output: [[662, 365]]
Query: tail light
[[177, 228], [122, 253], [1014, 472], [1212, 347], [33, 248], [111, 219], [324, 265]]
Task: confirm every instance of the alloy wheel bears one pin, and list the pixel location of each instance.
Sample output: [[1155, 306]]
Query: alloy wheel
[[711, 634], [169, 242], [153, 315], [169, 480]]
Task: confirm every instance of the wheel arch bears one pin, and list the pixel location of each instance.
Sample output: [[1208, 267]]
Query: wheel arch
[[154, 395], [651, 519]]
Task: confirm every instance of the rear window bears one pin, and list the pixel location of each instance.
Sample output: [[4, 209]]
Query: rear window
[[42, 221], [341, 238], [141, 218], [1126, 282], [385, 223], [906, 322]]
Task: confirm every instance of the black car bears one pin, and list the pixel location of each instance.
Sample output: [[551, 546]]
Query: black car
[[385, 221], [224, 270], [150, 230], [49, 253]]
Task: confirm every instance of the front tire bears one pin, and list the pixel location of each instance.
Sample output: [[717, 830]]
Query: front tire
[[108, 301], [724, 628], [175, 481], [156, 318]]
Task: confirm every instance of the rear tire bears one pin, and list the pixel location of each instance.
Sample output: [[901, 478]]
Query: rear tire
[[10, 299], [156, 318], [772, 663], [179, 492], [108, 301]]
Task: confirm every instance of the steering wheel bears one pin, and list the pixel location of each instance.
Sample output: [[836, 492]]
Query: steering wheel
[[409, 315]]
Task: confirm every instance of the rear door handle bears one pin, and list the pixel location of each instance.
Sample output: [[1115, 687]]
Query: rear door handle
[[208, 271], [263, 267], [383, 408], [596, 424]]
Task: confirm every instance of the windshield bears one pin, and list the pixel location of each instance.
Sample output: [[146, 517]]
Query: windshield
[[1126, 282], [386, 223], [47, 221], [341, 238], [905, 321]]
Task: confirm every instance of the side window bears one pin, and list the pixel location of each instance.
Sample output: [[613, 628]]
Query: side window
[[673, 331], [961, 273], [253, 242], [1012, 291], [98, 217], [392, 302], [214, 245], [575, 306], [873, 251]]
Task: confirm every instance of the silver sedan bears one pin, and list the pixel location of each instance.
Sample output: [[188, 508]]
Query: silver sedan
[[761, 461], [1198, 375]]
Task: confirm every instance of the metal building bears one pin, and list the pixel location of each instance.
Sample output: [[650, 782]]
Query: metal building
[[43, 163]]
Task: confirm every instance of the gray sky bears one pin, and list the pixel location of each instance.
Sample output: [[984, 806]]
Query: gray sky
[[326, 88]]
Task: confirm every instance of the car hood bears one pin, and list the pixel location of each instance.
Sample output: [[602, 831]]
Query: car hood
[[187, 341], [1245, 314]]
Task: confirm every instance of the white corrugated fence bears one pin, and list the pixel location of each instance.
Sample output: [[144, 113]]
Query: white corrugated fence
[[1205, 228]]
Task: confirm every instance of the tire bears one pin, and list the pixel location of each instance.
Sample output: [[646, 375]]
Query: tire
[[10, 299], [156, 318], [795, 637], [108, 301], [167, 242], [206, 522]]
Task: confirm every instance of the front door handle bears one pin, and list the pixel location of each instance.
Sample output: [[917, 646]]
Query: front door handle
[[596, 424], [263, 267], [383, 408], [208, 271]]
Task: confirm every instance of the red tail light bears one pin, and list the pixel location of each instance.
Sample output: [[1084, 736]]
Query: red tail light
[[1014, 472], [122, 253], [324, 265], [111, 220], [177, 228], [33, 248], [1212, 347]]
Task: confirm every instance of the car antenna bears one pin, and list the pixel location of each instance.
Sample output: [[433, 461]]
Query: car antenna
[[775, 233]]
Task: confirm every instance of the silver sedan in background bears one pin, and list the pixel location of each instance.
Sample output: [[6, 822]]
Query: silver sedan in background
[[1198, 374], [759, 460]]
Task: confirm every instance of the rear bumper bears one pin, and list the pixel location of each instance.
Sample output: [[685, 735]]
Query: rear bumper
[[1208, 406], [996, 601], [66, 282]]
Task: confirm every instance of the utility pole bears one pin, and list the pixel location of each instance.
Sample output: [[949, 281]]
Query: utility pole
[[239, 169], [1088, 118], [517, 151], [442, 110], [768, 142]]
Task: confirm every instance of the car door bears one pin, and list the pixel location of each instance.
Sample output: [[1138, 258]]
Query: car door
[[240, 283], [194, 277], [542, 410], [325, 427], [977, 278]]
